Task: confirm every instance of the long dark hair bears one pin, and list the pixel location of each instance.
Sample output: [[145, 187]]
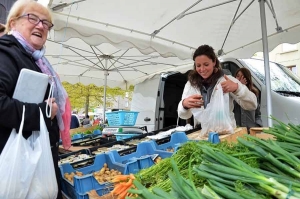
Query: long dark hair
[[246, 73], [195, 79]]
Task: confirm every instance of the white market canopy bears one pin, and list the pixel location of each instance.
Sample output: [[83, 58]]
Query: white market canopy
[[119, 42], [140, 38]]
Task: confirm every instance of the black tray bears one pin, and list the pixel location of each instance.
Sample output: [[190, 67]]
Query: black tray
[[94, 141], [91, 150], [82, 151]]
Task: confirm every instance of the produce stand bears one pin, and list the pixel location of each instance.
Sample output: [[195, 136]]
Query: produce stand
[[238, 132]]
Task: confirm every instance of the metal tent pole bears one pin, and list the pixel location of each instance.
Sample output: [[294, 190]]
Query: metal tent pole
[[105, 85], [266, 59]]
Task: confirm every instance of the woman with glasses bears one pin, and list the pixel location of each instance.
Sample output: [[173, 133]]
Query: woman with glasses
[[27, 27]]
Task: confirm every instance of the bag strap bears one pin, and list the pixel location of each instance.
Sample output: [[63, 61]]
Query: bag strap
[[48, 114], [22, 121]]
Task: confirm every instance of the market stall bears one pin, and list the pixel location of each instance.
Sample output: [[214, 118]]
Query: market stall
[[250, 167]]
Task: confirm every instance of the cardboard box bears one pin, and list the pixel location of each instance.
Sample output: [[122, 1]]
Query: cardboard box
[[238, 132], [258, 132]]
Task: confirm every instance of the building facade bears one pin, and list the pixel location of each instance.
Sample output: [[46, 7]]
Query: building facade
[[286, 54]]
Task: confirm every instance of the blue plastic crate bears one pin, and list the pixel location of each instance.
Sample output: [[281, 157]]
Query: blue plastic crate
[[120, 136], [102, 191], [76, 137], [140, 157], [83, 184], [172, 142], [122, 118]]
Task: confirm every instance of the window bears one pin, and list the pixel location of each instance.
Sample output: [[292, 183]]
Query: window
[[289, 47], [232, 67], [282, 79], [293, 69]]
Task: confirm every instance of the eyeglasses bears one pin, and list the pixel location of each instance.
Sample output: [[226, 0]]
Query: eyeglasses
[[32, 18]]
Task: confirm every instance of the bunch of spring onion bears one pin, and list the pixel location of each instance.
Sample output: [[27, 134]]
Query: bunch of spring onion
[[181, 188], [274, 157], [285, 133], [157, 177], [223, 171]]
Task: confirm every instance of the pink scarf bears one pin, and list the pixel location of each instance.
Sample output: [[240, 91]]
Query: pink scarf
[[59, 93]]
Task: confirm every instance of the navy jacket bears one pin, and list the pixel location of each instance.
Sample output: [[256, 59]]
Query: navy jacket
[[13, 58]]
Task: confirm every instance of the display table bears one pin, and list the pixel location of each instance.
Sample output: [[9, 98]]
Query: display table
[[238, 132]]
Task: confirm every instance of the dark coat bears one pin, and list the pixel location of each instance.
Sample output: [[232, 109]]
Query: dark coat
[[74, 122], [13, 58]]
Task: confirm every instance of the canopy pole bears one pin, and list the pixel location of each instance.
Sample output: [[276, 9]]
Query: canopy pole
[[105, 85], [266, 59]]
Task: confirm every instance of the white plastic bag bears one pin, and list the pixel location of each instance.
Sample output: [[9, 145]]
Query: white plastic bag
[[18, 162], [216, 117], [44, 184]]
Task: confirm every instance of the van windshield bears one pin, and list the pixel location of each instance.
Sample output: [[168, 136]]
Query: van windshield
[[282, 79]]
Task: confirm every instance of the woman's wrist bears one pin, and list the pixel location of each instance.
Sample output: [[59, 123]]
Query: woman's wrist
[[237, 86], [183, 105]]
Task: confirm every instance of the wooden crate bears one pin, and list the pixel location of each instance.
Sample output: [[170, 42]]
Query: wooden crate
[[238, 132], [258, 132]]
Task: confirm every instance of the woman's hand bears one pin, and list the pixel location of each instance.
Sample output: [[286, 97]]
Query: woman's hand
[[54, 109], [243, 80], [228, 85], [193, 101]]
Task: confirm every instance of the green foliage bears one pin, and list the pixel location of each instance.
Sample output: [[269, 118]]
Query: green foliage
[[93, 95]]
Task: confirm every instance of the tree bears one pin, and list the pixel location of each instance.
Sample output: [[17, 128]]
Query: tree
[[91, 96]]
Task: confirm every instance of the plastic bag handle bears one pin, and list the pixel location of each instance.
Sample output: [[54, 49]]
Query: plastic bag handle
[[22, 121], [48, 114]]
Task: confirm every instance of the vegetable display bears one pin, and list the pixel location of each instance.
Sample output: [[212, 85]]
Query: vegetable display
[[250, 168]]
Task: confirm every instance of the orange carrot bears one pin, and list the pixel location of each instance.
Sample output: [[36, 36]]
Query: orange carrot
[[128, 183], [116, 188], [122, 189], [131, 176], [119, 178], [124, 193]]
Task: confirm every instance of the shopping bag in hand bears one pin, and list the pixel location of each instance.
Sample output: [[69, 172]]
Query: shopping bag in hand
[[44, 184], [18, 162], [216, 115]]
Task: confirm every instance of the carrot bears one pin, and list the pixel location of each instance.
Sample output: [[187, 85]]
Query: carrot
[[116, 188], [131, 176], [122, 189], [123, 194], [128, 183], [119, 178]]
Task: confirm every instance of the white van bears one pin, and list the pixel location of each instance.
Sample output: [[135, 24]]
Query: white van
[[157, 98]]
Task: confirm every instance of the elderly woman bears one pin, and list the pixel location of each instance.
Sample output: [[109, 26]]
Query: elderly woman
[[199, 90], [28, 25]]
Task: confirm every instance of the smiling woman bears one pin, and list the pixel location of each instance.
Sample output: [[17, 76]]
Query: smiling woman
[[199, 91], [27, 27]]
